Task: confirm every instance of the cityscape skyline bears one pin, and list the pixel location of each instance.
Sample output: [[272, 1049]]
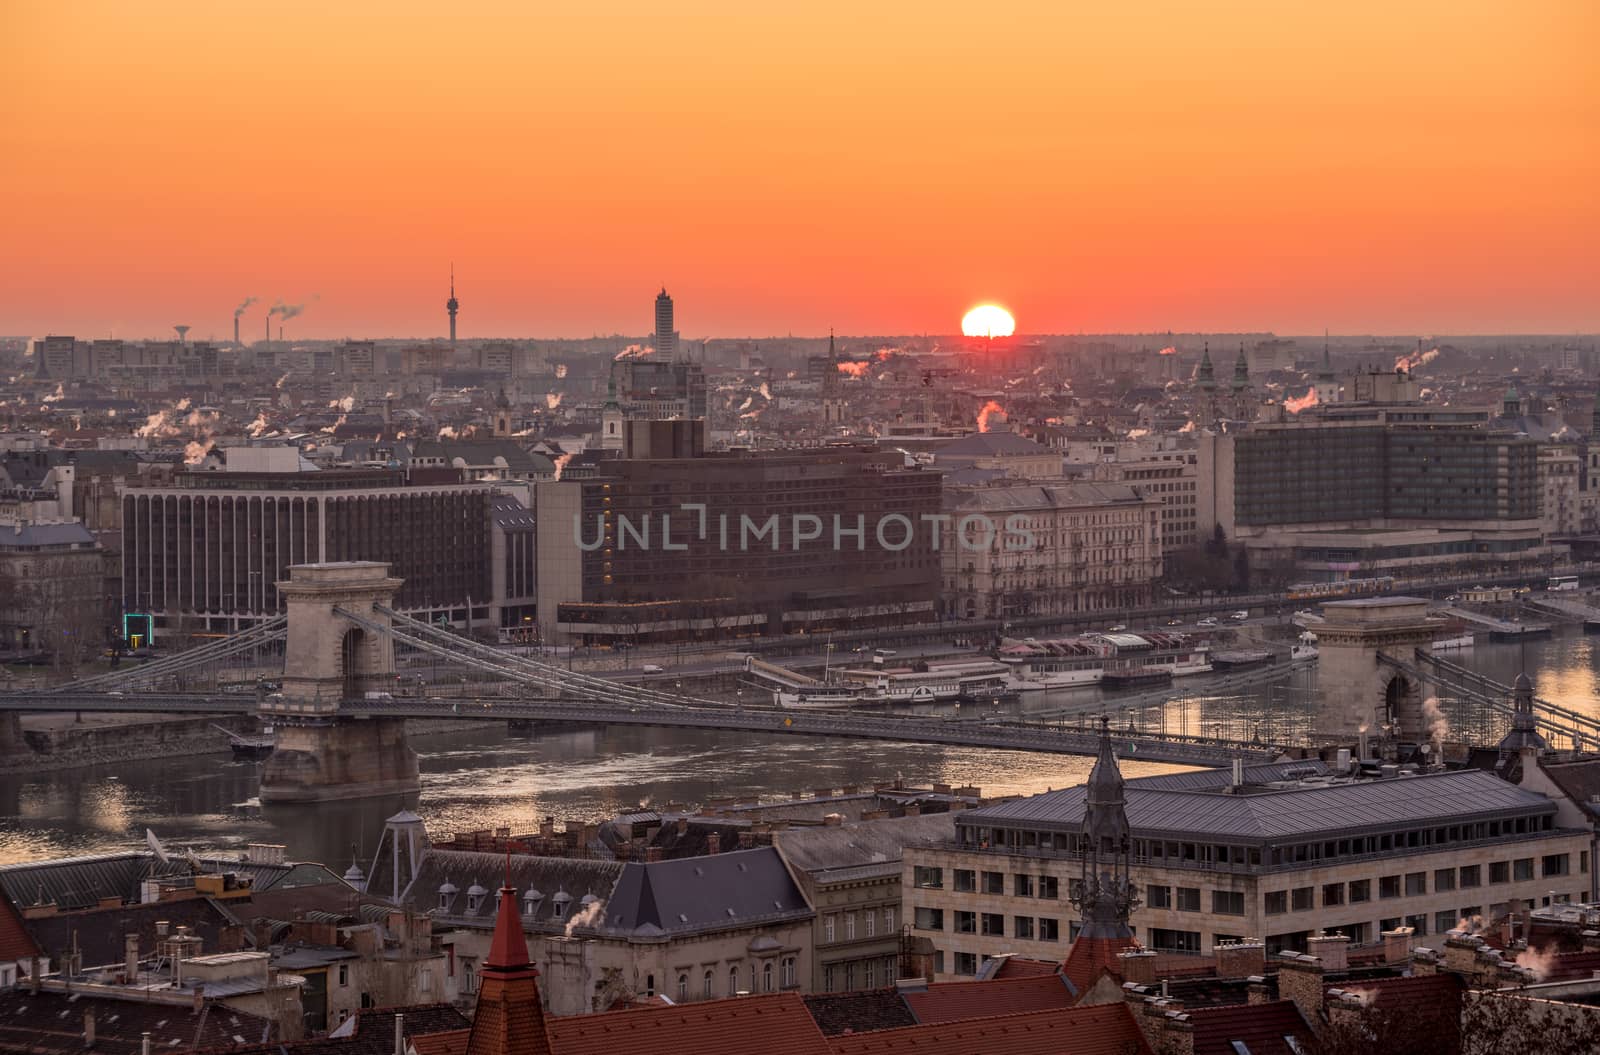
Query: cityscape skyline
[[1371, 170]]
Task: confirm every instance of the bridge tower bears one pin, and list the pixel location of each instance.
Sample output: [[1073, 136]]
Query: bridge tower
[[320, 754], [1360, 694]]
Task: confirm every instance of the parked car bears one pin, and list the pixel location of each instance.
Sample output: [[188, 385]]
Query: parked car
[[653, 668], [1240, 616]]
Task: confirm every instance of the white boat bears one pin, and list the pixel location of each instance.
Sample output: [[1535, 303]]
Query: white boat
[[939, 683], [1453, 644], [1305, 649], [1082, 661], [818, 699]]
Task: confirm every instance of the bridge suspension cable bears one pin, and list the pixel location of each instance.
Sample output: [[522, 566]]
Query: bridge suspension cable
[[189, 659], [1580, 732], [548, 673]]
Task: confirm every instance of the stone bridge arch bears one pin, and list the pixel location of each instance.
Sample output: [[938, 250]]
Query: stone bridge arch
[[1358, 692], [328, 659]]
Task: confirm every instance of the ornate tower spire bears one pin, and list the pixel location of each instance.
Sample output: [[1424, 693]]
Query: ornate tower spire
[[509, 1018], [1241, 371], [1106, 896], [1206, 376]]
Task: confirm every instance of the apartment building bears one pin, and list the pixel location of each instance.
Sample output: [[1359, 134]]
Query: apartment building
[[1277, 858], [1055, 548], [1170, 477]]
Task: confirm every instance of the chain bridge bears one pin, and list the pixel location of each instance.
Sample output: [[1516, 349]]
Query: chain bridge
[[340, 710]]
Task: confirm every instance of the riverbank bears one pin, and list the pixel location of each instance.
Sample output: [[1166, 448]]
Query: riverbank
[[67, 740]]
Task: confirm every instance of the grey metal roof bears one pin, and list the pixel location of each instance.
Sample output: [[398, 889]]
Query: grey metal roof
[[827, 849], [1055, 496], [1284, 816], [71, 534], [550, 876], [695, 894]]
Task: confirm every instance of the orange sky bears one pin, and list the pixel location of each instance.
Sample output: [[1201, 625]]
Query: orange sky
[[874, 166]]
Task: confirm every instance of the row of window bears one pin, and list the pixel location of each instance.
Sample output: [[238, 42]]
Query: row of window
[[990, 924], [868, 919], [766, 979], [859, 974]]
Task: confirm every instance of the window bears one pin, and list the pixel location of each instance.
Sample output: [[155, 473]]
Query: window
[[966, 963], [1227, 902], [849, 926], [788, 972], [870, 968], [827, 928], [649, 985], [966, 922], [425, 981], [1418, 923], [706, 992], [344, 975], [927, 878], [1158, 896], [1522, 869], [1389, 886], [1499, 871], [994, 924], [1444, 879], [1444, 921], [1277, 902], [994, 882], [1022, 927], [1049, 928], [766, 977], [870, 918], [965, 880], [1360, 890], [469, 976], [683, 989], [1332, 894], [1174, 940], [1022, 885], [1303, 898], [1188, 899], [1416, 884], [1555, 865], [1050, 887], [930, 919], [344, 1015], [1471, 875], [733, 980], [888, 920]]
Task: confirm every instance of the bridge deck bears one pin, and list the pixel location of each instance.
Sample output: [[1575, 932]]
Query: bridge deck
[[1003, 734]]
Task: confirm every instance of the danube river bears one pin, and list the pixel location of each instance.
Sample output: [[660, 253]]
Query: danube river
[[478, 778]]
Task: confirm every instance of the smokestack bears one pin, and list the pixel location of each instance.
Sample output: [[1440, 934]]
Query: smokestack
[[280, 331], [144, 1043], [236, 331], [399, 1035], [130, 956], [269, 327]]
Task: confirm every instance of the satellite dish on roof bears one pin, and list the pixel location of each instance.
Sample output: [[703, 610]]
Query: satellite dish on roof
[[156, 847]]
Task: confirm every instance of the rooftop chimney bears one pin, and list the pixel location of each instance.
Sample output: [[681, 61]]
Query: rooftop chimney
[[399, 1034], [88, 1027], [130, 956], [714, 843]]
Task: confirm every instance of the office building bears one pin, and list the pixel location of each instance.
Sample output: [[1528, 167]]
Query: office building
[[666, 336], [207, 552], [652, 386], [1361, 489], [666, 542], [1169, 476], [1280, 857]]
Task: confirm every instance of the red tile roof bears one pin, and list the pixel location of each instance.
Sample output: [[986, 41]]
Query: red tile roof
[[1104, 1029], [1089, 956], [1568, 966], [776, 1024], [1021, 967], [954, 1001], [452, 1043], [14, 941], [1262, 1028], [509, 1019]]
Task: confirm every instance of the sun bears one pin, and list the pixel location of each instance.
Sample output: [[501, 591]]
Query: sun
[[988, 320]]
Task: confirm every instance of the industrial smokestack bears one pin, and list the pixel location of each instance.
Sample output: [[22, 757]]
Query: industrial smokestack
[[269, 327], [280, 331], [236, 331]]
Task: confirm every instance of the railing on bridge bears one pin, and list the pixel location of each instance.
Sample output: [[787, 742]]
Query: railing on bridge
[[1485, 704]]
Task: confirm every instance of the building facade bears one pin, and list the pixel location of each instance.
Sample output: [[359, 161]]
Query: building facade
[[1170, 477], [677, 546], [1059, 548], [208, 551], [1281, 860]]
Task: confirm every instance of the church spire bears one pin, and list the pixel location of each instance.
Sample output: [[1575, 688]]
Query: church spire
[[509, 1019], [1206, 376], [1105, 896]]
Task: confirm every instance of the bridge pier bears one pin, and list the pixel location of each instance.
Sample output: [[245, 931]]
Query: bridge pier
[[342, 759], [321, 755], [1360, 694]]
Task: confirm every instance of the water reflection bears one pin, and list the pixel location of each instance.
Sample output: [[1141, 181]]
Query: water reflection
[[479, 778]]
